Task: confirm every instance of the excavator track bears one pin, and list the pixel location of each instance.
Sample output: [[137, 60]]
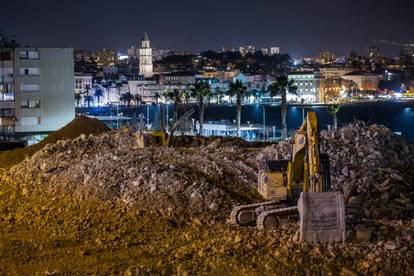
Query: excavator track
[[271, 218], [234, 215]]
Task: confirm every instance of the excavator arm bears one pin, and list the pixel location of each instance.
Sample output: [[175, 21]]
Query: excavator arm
[[305, 164]]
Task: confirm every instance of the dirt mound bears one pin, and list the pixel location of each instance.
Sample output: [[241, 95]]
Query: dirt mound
[[80, 125], [184, 182], [371, 165]]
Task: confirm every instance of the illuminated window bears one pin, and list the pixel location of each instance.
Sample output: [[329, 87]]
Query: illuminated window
[[29, 55], [30, 104]]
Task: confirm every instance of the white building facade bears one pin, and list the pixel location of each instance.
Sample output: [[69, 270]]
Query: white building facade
[[307, 84], [40, 89], [82, 81]]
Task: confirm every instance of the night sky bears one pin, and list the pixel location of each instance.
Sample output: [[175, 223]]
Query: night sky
[[299, 27]]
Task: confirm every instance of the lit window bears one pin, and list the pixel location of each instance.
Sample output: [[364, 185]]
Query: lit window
[[29, 55], [30, 104]]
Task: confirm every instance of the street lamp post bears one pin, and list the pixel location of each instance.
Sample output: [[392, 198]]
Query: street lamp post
[[264, 123], [147, 116], [117, 116], [166, 125]]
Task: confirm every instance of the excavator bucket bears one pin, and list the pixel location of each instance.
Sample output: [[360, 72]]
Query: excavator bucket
[[322, 217]]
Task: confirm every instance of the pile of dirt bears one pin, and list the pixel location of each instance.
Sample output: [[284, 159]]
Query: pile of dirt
[[202, 181], [371, 165], [80, 125]]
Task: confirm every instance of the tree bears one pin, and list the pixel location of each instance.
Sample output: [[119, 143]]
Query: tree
[[175, 97], [98, 93], [88, 99], [78, 97], [126, 98], [219, 95], [157, 97], [281, 87], [201, 92], [333, 110], [138, 99], [237, 89], [185, 95]]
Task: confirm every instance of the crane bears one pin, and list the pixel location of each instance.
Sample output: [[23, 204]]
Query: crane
[[396, 43], [407, 49]]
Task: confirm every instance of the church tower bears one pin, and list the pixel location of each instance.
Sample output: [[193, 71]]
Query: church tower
[[145, 58]]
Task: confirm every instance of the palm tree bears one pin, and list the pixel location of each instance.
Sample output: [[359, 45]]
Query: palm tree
[[333, 110], [126, 98], [175, 97], [157, 97], [138, 99], [185, 95], [201, 92], [281, 87], [87, 90], [78, 97], [98, 93], [118, 86], [88, 99], [237, 89], [219, 95]]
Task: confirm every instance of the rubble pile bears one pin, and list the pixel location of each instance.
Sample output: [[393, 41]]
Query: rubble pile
[[112, 167], [76, 127], [372, 166]]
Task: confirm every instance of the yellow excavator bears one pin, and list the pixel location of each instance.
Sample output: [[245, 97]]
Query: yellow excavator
[[305, 178]]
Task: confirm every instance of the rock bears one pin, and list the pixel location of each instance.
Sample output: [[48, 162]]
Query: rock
[[237, 239], [363, 235], [390, 245]]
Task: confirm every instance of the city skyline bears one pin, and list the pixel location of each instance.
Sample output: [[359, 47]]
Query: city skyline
[[298, 27]]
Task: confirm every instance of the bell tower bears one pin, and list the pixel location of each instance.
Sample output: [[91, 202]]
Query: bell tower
[[145, 58]]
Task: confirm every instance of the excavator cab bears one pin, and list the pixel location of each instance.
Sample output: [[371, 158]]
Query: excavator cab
[[272, 179]]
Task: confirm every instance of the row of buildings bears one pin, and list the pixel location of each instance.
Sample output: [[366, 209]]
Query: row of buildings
[[313, 84], [312, 87]]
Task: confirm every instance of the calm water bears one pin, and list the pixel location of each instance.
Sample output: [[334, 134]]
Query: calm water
[[398, 116]]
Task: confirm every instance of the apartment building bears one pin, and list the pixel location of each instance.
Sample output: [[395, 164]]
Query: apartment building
[[82, 81], [37, 89], [334, 72]]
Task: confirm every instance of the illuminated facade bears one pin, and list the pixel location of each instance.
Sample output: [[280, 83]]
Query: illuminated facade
[[363, 81], [82, 81], [307, 84], [145, 58], [334, 72]]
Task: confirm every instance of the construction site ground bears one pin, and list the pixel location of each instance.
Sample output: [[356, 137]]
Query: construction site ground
[[97, 204]]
